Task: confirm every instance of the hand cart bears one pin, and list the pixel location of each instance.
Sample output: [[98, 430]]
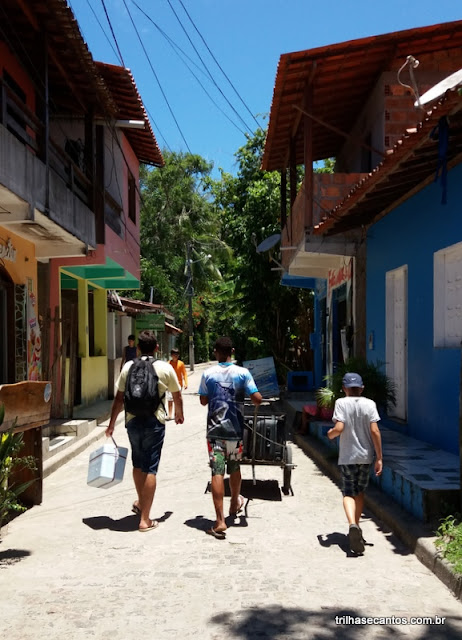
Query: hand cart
[[265, 442]]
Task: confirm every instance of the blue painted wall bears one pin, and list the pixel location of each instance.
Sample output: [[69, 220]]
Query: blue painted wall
[[410, 235]]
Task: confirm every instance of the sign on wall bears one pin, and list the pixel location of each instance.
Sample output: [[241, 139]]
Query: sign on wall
[[153, 321]]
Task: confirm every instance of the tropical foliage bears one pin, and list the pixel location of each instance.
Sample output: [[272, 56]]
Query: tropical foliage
[[199, 236], [377, 385]]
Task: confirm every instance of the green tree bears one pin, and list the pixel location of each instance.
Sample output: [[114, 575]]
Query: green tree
[[180, 239], [263, 317]]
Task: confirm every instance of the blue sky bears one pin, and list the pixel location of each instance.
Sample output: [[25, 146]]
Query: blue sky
[[247, 38]]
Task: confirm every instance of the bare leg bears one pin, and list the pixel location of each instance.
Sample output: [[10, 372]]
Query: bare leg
[[353, 508], [145, 484], [235, 487], [170, 409], [218, 492]]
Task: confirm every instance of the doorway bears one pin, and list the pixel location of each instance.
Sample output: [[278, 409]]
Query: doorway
[[7, 374], [396, 338]]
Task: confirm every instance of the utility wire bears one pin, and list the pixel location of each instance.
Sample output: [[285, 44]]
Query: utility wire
[[155, 75], [205, 66], [102, 28], [218, 64], [174, 47], [113, 34], [116, 55]]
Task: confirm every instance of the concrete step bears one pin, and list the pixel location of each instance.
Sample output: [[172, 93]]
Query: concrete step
[[70, 447]]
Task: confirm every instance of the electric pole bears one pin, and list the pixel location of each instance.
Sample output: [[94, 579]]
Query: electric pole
[[190, 293]]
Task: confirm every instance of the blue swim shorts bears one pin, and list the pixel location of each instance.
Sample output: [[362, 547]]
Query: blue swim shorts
[[355, 478], [146, 437]]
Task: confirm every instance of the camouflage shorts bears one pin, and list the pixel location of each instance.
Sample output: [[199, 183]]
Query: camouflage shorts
[[224, 454]]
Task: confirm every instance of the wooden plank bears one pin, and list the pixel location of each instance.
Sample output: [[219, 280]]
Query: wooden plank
[[73, 336], [25, 403]]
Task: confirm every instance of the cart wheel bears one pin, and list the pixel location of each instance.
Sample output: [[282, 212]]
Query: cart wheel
[[286, 487]]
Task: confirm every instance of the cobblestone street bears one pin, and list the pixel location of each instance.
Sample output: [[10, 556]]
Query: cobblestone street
[[77, 567]]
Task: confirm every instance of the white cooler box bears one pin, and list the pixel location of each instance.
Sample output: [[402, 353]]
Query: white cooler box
[[106, 466]]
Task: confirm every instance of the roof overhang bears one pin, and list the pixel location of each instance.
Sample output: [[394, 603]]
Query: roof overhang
[[342, 77], [130, 107], [410, 166], [319, 254], [75, 86], [99, 276]]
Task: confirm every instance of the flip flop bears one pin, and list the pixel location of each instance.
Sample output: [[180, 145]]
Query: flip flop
[[219, 535], [136, 509], [241, 502], [154, 525]]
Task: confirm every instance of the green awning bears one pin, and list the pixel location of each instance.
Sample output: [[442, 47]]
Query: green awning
[[101, 276]]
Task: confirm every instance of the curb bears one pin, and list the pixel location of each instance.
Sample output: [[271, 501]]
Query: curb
[[419, 537], [57, 461]]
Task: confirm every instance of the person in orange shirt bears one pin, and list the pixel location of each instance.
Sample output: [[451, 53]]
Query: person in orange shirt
[[181, 374]]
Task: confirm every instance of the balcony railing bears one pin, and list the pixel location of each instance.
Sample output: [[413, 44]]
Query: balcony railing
[[30, 131], [329, 189]]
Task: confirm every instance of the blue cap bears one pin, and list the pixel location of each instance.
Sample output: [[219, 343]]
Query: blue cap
[[352, 380]]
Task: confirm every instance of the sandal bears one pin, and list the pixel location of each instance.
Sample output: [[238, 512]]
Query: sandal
[[219, 535]]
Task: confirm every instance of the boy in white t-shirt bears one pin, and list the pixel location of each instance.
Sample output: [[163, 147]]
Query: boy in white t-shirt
[[355, 421]]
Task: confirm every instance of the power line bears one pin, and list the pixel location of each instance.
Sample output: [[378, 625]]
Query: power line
[[205, 66], [155, 75], [218, 64], [174, 47], [116, 55], [102, 28], [113, 34]]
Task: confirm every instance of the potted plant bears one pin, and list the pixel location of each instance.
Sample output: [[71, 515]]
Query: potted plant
[[10, 445], [378, 386]]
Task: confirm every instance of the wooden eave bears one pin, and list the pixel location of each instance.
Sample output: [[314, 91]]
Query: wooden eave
[[343, 77], [130, 107], [30, 26], [407, 169]]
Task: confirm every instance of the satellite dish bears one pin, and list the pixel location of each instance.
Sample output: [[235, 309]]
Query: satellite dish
[[268, 243], [451, 82]]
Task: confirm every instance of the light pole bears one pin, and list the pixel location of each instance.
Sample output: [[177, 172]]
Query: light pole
[[190, 294]]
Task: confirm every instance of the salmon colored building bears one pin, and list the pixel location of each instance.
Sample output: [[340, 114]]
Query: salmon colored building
[[73, 133]]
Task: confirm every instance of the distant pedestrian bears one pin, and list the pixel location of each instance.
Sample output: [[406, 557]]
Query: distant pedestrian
[[223, 388], [130, 352], [356, 420], [146, 425], [182, 376]]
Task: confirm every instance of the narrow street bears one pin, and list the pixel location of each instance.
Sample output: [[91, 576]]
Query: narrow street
[[77, 567]]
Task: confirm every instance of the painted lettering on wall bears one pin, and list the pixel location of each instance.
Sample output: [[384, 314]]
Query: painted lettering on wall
[[7, 251], [339, 276]]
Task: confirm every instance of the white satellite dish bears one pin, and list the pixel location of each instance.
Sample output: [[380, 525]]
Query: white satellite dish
[[440, 89], [268, 243]]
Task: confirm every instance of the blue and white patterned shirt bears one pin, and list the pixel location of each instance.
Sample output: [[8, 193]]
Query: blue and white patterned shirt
[[226, 385]]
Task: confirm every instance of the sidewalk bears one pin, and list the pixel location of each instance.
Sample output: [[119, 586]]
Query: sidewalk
[[418, 536]]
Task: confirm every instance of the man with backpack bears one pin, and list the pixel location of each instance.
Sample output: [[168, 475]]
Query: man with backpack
[[223, 388], [141, 388]]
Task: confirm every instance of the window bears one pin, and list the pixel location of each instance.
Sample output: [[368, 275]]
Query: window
[[447, 297], [131, 197]]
